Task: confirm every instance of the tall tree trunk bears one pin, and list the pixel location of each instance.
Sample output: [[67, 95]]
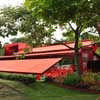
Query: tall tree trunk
[[76, 48], [76, 56]]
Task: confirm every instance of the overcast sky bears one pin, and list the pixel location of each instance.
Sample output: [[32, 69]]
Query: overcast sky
[[5, 3]]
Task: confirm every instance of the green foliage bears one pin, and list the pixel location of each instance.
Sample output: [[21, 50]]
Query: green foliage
[[81, 13], [21, 39], [21, 56], [89, 36], [8, 26], [41, 91], [97, 85], [69, 35], [59, 79], [72, 79], [98, 76], [66, 62], [27, 50], [80, 44], [62, 11], [18, 77], [89, 78], [19, 19], [1, 51], [98, 51]]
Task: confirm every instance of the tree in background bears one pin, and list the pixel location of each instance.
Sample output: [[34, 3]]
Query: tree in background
[[69, 36], [82, 13], [19, 19]]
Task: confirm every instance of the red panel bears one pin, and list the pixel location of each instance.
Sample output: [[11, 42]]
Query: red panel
[[66, 53], [20, 46], [28, 66], [58, 47], [52, 50], [49, 48]]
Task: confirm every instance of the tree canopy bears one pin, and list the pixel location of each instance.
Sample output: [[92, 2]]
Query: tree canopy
[[19, 19], [80, 12], [83, 13]]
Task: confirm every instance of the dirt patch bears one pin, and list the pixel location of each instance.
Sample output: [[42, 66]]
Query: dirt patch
[[9, 93], [12, 98]]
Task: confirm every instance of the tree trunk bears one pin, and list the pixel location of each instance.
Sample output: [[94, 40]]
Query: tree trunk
[[76, 56]]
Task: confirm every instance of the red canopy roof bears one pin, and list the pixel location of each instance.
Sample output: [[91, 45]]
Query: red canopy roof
[[37, 66], [52, 51], [67, 53], [58, 47]]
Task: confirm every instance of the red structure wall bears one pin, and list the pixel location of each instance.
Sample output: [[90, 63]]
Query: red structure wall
[[87, 54], [10, 49]]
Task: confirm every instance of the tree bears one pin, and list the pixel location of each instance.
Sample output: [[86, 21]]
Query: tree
[[83, 13], [14, 40], [19, 19], [7, 26]]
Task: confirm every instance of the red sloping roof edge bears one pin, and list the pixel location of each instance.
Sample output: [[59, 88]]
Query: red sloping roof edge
[[32, 66]]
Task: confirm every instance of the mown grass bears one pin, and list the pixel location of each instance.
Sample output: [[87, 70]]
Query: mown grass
[[43, 91]]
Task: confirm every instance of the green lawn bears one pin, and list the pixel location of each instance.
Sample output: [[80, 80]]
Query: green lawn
[[42, 91]]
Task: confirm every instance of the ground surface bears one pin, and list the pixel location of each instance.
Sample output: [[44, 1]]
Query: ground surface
[[11, 90]]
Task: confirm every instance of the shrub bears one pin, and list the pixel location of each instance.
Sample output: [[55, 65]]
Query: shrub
[[95, 87], [2, 51], [21, 56], [72, 79], [27, 50], [98, 76], [98, 51], [98, 98], [89, 78], [59, 79], [18, 77]]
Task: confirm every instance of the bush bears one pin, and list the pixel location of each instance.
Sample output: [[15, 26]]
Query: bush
[[2, 51], [59, 79], [21, 56], [89, 78], [98, 51], [18, 77], [98, 76], [27, 50], [72, 79], [95, 87]]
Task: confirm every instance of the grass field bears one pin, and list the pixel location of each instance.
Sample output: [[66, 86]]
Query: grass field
[[11, 90]]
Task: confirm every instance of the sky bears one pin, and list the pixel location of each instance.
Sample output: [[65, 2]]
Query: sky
[[6, 3]]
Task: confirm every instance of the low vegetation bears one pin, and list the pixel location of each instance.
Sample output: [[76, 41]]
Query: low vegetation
[[18, 77], [72, 79], [40, 91], [88, 80]]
